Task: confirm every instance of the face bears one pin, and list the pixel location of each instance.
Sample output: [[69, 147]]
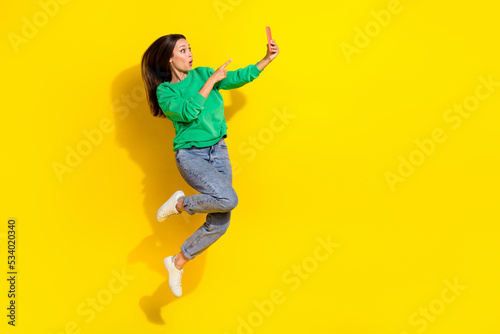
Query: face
[[182, 57]]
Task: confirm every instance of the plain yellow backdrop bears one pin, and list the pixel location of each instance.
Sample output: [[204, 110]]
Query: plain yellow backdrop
[[365, 159]]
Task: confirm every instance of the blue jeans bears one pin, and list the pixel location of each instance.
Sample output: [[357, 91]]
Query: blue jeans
[[207, 170]]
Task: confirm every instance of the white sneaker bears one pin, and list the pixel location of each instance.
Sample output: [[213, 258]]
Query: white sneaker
[[169, 208], [174, 276]]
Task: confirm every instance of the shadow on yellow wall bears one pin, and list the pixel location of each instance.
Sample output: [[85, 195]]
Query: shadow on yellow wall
[[149, 142]]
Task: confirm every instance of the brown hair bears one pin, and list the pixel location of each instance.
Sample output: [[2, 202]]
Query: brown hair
[[155, 68]]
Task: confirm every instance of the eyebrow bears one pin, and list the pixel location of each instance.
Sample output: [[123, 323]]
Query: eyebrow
[[183, 46]]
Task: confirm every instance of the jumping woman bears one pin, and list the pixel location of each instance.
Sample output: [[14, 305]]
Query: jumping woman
[[190, 98]]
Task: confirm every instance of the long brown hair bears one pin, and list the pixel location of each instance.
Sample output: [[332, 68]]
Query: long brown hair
[[155, 68]]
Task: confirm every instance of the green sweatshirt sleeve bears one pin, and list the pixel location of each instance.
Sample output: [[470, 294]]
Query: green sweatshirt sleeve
[[176, 107], [239, 77]]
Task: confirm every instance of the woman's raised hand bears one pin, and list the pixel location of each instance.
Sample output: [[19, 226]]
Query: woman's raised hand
[[221, 72], [217, 76], [274, 50]]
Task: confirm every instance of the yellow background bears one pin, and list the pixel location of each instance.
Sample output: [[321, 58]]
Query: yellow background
[[319, 174]]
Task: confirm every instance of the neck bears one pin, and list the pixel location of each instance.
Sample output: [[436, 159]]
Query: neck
[[177, 75]]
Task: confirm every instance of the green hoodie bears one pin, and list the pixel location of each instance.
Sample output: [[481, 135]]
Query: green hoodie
[[200, 121]]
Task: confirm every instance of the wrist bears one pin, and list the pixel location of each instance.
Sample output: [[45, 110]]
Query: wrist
[[267, 59], [263, 63], [211, 81]]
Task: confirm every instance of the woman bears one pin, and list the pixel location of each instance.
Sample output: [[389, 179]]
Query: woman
[[190, 98]]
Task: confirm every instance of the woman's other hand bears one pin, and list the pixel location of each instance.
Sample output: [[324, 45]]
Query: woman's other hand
[[274, 50], [220, 73]]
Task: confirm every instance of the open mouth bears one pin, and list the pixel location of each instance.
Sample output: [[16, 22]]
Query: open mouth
[[191, 63]]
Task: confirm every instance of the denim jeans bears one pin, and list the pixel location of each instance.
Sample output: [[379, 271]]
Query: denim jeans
[[207, 170]]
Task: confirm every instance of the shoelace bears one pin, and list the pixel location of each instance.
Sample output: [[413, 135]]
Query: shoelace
[[178, 282]]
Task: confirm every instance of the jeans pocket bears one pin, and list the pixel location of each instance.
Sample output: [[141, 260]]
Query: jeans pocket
[[222, 144], [177, 154]]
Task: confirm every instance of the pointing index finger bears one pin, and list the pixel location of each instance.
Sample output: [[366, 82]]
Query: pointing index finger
[[230, 60]]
